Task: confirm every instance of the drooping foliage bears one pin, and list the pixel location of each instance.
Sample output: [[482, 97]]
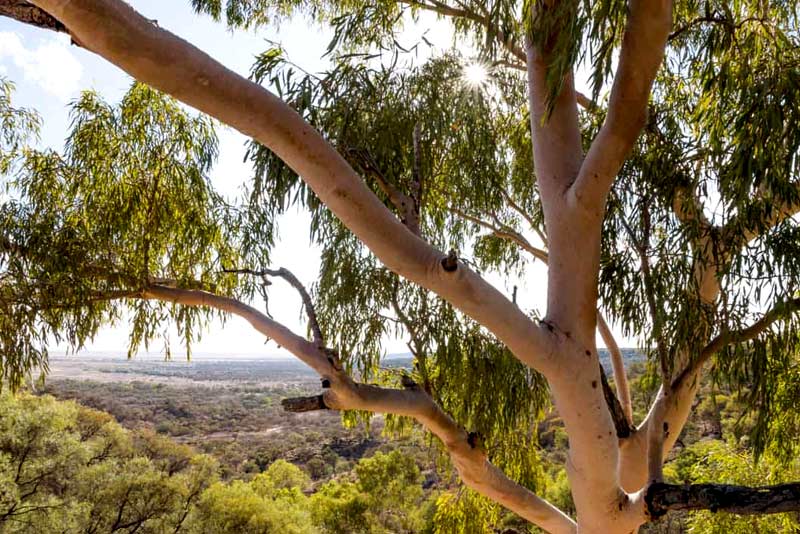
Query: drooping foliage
[[721, 147], [127, 202]]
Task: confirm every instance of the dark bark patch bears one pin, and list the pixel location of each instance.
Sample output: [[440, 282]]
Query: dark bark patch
[[661, 498]]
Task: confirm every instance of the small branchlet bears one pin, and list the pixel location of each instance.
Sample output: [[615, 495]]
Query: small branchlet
[[450, 262], [304, 404], [408, 382]]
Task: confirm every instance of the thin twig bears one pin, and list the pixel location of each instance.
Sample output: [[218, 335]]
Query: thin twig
[[287, 275]]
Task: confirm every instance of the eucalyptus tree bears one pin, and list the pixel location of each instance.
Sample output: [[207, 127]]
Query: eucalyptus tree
[[664, 200]]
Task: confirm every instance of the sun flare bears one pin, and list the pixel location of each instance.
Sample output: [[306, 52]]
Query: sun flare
[[475, 74]]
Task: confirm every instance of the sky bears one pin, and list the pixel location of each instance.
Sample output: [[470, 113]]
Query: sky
[[49, 73]]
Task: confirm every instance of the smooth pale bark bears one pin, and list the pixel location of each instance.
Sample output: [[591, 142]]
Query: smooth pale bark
[[345, 394], [574, 192]]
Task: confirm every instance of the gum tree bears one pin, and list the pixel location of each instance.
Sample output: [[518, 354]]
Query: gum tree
[[667, 205]]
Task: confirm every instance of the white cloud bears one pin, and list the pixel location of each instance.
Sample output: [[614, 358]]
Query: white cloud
[[50, 65]]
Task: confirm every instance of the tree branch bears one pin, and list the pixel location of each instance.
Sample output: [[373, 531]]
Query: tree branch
[[661, 498], [780, 311], [345, 394], [689, 210], [494, 32], [505, 232], [555, 129], [620, 374], [621, 409], [739, 231], [650, 291], [673, 402], [621, 420], [152, 55], [406, 205], [524, 214], [649, 23]]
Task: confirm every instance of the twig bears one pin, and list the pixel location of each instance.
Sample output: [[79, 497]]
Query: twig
[[287, 275]]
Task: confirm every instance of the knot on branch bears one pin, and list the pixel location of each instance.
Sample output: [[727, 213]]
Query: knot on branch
[[475, 440], [450, 262]]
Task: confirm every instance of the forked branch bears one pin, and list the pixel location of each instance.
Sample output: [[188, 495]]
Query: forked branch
[[308, 304]]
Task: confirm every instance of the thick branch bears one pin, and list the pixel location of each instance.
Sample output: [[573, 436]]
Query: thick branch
[[555, 129], [661, 498], [152, 55], [345, 394], [649, 23]]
